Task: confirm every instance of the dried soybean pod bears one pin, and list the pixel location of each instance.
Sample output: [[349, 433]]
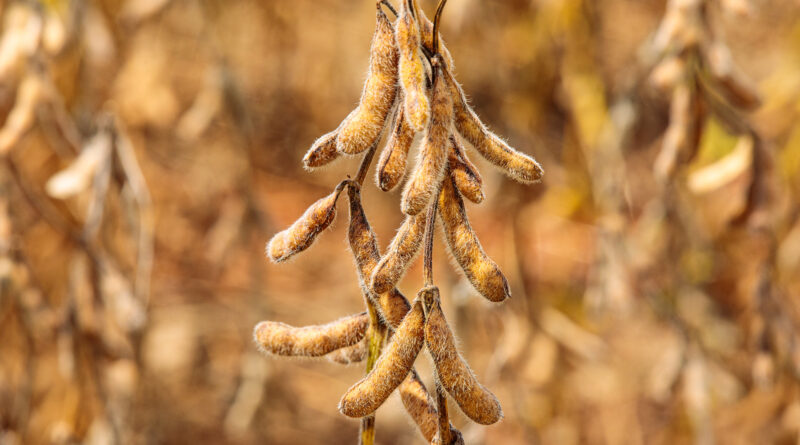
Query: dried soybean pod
[[421, 407], [391, 368], [363, 126], [427, 175], [454, 374], [300, 235], [349, 355], [278, 338], [480, 270], [391, 304], [467, 178], [322, 151], [400, 254], [392, 164], [516, 165], [411, 69]]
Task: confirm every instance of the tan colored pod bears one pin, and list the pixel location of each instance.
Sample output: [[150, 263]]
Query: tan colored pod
[[390, 370], [424, 182], [454, 374], [401, 253], [411, 69], [322, 151], [274, 337], [466, 176], [349, 355], [422, 408], [392, 164], [300, 235], [513, 163], [391, 304], [480, 270], [363, 127]]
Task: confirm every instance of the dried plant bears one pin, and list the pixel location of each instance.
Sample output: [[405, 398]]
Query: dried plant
[[410, 74]]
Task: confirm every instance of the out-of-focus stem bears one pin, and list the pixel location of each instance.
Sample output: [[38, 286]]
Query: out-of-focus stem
[[375, 337]]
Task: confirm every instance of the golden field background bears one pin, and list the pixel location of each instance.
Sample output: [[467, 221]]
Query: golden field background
[[130, 280]]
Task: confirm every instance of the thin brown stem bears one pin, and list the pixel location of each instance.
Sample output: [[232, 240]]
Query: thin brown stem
[[428, 254], [388, 5], [445, 437], [436, 21], [365, 163]]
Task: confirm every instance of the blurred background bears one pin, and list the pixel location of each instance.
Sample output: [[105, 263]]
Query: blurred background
[[150, 148]]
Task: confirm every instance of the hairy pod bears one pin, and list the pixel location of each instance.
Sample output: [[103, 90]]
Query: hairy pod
[[454, 374], [278, 338], [513, 163], [362, 128], [392, 164], [322, 151], [300, 235], [411, 70], [421, 407], [427, 175], [20, 118], [400, 254], [467, 178], [391, 304], [349, 355], [480, 270], [390, 370]]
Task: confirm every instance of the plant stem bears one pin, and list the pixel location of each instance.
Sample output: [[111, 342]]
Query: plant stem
[[441, 407], [436, 20], [429, 227], [375, 336]]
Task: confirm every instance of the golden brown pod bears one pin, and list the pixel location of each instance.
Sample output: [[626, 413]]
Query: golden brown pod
[[467, 178], [454, 374], [427, 175], [400, 254], [278, 338], [516, 165], [392, 164], [411, 69], [480, 270], [349, 355], [391, 369], [300, 235], [322, 151], [362, 128], [391, 304], [422, 408]]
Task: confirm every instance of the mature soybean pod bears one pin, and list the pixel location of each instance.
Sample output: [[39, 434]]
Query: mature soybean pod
[[322, 151], [467, 178], [454, 374], [300, 235], [516, 165], [349, 355], [422, 408], [480, 270], [391, 304], [427, 175], [400, 254], [411, 69], [392, 164], [278, 338], [390, 370], [363, 126]]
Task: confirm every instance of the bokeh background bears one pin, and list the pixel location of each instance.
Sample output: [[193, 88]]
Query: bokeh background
[[152, 147]]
